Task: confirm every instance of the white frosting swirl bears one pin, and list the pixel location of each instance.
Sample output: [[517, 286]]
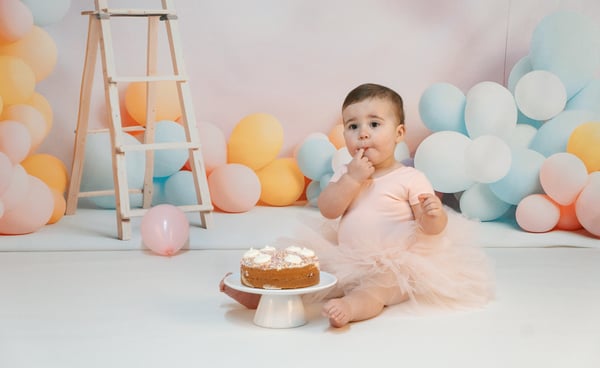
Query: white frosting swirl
[[262, 258], [292, 258]]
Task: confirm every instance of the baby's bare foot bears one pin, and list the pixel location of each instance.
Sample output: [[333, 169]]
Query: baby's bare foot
[[338, 311]]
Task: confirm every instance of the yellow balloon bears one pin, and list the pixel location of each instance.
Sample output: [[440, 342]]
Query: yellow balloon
[[17, 81], [584, 142], [37, 49], [282, 182], [48, 169], [336, 136], [60, 205], [167, 103], [255, 141], [1, 105]]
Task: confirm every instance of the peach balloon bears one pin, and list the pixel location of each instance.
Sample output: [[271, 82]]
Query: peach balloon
[[587, 206], [17, 80], [568, 218], [537, 213], [234, 188], [165, 229], [562, 176], [15, 140], [255, 141], [15, 20], [37, 49], [49, 169], [6, 167], [17, 189], [584, 142], [32, 212], [1, 105], [282, 182], [167, 101], [60, 205], [213, 146], [336, 136], [42, 105], [33, 120]]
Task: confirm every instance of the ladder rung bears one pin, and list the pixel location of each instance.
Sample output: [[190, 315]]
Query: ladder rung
[[137, 212], [132, 12], [158, 146], [125, 129], [98, 193], [148, 78]]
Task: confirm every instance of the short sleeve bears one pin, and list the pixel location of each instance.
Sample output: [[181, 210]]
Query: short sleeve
[[418, 185]]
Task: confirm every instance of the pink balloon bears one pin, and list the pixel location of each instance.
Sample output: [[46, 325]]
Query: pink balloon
[[537, 213], [165, 229], [234, 188], [15, 140], [17, 190], [15, 20], [1, 209], [587, 206], [6, 168], [214, 146], [562, 177], [30, 214]]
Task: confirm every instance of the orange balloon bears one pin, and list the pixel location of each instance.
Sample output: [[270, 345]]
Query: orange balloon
[[584, 142], [37, 49], [167, 101], [48, 169], [255, 141], [42, 105], [336, 136], [60, 205], [568, 218], [282, 182], [17, 80], [1, 105]]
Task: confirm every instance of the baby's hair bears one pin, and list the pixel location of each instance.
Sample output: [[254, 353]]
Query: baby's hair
[[370, 90]]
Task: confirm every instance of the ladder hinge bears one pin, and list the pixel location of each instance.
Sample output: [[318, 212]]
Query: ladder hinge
[[168, 17]]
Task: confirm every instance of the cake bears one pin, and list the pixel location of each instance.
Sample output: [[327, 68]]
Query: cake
[[271, 268]]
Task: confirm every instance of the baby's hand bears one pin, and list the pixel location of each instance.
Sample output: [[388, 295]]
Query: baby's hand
[[360, 168], [431, 205]]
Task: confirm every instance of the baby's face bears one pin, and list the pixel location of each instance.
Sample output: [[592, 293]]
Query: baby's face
[[372, 125]]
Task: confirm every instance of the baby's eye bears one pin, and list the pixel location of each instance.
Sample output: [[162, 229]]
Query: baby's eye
[[374, 124], [352, 126]]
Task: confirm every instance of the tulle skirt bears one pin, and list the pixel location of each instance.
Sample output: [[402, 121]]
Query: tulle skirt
[[449, 269]]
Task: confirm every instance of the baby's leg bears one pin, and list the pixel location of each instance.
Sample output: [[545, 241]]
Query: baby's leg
[[248, 300]]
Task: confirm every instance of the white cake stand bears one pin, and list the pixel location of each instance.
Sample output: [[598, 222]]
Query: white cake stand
[[280, 308]]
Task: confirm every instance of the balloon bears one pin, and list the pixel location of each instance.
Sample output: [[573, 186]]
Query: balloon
[[521, 136], [15, 20], [521, 67], [167, 105], [159, 193], [562, 177], [586, 206], [584, 143], [282, 182], [37, 49], [552, 137], [313, 190], [401, 152], [566, 43], [17, 189], [523, 177], [336, 136], [213, 146], [490, 109], [165, 229], [6, 168], [540, 95], [180, 189], [169, 161], [60, 205], [49, 169], [47, 12], [255, 141], [17, 80], [325, 180], [15, 140], [42, 105], [315, 158], [442, 107], [568, 218], [487, 159], [98, 169], [537, 213], [587, 98], [441, 156], [234, 188], [315, 135], [32, 212], [32, 119], [340, 158], [479, 202]]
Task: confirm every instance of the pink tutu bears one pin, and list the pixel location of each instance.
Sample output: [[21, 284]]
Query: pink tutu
[[449, 269]]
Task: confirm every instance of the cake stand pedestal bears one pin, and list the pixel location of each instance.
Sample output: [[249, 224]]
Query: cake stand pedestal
[[280, 308]]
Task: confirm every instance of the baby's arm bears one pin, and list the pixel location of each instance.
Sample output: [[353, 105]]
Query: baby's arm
[[337, 196], [430, 214]]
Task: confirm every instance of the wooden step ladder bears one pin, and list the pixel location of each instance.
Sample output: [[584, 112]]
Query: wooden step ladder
[[100, 37]]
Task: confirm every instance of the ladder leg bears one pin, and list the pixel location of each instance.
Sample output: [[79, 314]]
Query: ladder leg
[[87, 81]]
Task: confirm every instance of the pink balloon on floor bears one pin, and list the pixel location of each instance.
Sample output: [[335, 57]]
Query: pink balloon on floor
[[537, 213], [562, 177], [587, 206], [30, 214], [165, 229]]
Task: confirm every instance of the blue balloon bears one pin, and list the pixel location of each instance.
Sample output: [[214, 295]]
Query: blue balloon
[[567, 44], [167, 162], [523, 177], [442, 107], [314, 158], [180, 189], [158, 191], [313, 190], [586, 99], [553, 135], [521, 67], [479, 202]]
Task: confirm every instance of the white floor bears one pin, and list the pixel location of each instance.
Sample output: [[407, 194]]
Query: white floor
[[115, 308]]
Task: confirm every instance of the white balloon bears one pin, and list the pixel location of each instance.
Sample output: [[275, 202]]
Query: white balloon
[[522, 136], [540, 95], [401, 152], [488, 159], [490, 109], [340, 158]]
